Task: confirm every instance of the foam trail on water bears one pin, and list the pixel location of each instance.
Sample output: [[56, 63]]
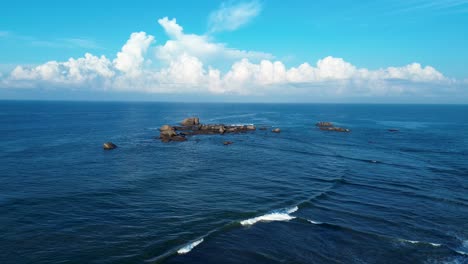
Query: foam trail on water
[[420, 242], [274, 216], [187, 248], [314, 222]]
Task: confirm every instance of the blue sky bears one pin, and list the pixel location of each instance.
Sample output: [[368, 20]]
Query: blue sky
[[389, 51]]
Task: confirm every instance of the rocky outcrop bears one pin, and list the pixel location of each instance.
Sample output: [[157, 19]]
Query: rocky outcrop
[[191, 126], [109, 146], [168, 134], [191, 121], [328, 126], [276, 130]]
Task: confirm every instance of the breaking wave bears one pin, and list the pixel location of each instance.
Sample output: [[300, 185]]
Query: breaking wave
[[187, 248], [282, 215]]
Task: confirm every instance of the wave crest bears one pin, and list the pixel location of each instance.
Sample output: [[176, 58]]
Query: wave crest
[[274, 216], [187, 248]]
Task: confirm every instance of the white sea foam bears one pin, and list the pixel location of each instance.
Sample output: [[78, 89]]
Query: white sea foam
[[240, 124], [187, 248], [292, 210], [421, 242], [314, 222], [275, 216]]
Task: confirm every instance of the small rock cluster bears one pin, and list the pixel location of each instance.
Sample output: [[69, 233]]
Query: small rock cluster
[[191, 126], [328, 126]]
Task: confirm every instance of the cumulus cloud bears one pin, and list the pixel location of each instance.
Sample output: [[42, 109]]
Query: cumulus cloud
[[90, 70], [230, 16], [130, 59], [184, 64], [199, 46]]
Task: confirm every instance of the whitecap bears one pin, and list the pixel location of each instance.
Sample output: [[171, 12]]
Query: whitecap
[[282, 215], [462, 252], [421, 242], [187, 248], [292, 210], [314, 222]]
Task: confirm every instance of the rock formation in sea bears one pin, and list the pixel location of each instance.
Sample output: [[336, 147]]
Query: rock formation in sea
[[276, 130], [168, 134], [328, 126], [109, 146], [192, 126]]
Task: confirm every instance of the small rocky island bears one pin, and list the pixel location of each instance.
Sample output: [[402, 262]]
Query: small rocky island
[[192, 126], [328, 126]]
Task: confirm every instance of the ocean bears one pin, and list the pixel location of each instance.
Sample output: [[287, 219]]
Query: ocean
[[300, 196]]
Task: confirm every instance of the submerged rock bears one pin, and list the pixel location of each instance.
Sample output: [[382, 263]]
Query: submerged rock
[[109, 146], [393, 130], [165, 138], [337, 129]]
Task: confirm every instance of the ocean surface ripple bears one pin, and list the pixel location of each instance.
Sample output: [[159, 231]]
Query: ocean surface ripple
[[300, 196]]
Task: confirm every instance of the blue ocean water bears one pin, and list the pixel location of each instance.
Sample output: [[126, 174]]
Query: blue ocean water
[[300, 196]]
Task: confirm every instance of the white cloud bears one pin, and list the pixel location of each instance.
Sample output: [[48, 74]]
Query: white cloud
[[199, 46], [230, 17], [184, 64], [130, 59]]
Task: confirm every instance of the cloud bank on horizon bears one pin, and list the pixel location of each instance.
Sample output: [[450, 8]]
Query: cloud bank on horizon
[[187, 63]]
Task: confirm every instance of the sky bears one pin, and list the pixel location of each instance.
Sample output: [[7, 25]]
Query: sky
[[413, 51]]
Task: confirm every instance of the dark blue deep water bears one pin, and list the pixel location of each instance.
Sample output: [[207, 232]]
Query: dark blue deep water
[[369, 196]]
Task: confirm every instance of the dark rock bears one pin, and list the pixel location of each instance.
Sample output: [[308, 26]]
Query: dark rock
[[109, 146], [276, 130], [166, 139], [227, 143], [186, 128], [178, 138], [222, 130]]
